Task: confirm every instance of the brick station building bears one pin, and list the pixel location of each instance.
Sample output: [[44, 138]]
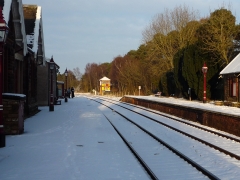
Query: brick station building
[[231, 77]]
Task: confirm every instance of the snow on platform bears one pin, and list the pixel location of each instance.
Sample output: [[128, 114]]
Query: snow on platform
[[75, 141], [194, 104]]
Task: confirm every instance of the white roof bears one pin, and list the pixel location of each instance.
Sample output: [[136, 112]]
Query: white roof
[[60, 82], [6, 15], [24, 41], [104, 79], [33, 38], [233, 66], [13, 94]]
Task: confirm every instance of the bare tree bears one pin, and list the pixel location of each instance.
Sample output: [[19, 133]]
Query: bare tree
[[168, 33], [77, 73], [125, 74]]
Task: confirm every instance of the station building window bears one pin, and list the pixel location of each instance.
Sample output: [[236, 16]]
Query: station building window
[[233, 87]]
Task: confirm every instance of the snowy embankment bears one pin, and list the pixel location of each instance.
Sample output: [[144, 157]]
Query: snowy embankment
[[194, 104]]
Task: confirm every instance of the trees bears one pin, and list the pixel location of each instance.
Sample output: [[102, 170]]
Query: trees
[[93, 73], [168, 33], [114, 74], [151, 68], [215, 42], [189, 72], [171, 31], [125, 74], [71, 79], [218, 36], [77, 73], [176, 44]]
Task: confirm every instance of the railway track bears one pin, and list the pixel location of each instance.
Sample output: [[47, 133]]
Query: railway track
[[193, 124], [194, 146], [196, 132]]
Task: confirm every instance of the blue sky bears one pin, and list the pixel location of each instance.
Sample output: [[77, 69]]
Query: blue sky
[[77, 32]]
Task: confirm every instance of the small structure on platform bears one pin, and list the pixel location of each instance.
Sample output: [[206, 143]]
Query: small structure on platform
[[104, 85], [13, 113]]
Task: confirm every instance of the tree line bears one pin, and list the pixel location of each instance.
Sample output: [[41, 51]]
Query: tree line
[[175, 46], [73, 78]]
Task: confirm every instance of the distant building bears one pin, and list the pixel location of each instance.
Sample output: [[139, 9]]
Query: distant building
[[104, 85]]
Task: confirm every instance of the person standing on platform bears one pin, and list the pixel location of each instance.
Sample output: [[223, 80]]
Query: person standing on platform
[[68, 92], [72, 91]]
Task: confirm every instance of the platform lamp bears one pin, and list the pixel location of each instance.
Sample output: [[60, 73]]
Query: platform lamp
[[51, 66], [3, 36], [204, 70], [66, 74]]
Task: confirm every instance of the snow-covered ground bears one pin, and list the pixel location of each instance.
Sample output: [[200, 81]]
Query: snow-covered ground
[[73, 142]]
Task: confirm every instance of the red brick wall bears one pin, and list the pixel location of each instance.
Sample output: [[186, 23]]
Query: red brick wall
[[13, 116], [220, 121]]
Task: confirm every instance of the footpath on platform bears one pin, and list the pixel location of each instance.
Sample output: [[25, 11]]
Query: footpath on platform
[[75, 141]]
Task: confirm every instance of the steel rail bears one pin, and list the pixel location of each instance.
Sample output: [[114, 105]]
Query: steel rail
[[194, 164], [186, 134], [176, 119], [143, 163]]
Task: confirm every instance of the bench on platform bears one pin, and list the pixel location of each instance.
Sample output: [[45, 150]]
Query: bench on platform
[[57, 101], [158, 94]]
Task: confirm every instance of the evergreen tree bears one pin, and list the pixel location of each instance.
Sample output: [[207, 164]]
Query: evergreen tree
[[192, 64], [188, 72], [180, 81]]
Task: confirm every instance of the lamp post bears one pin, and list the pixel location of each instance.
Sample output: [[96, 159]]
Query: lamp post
[[3, 36], [66, 74], [204, 70], [51, 66]]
